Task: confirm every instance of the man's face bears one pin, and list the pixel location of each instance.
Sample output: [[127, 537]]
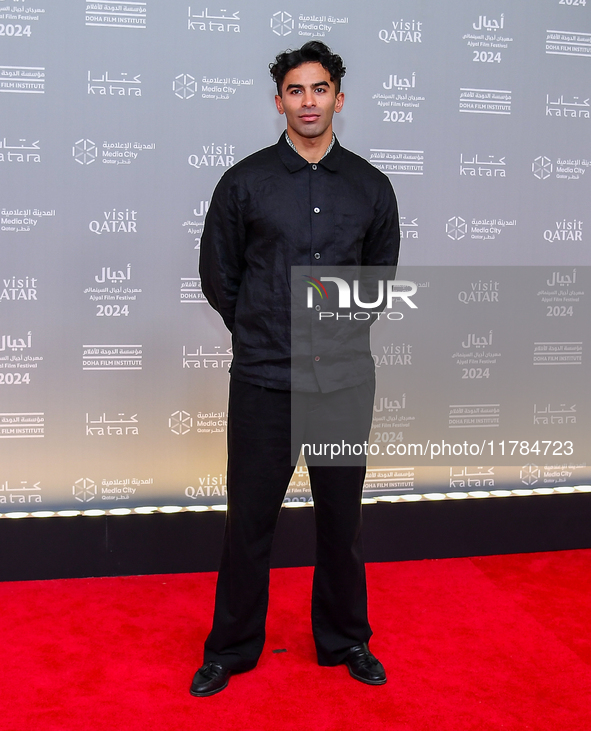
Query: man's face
[[309, 100]]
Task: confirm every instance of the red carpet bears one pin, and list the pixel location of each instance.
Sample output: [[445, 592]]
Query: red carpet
[[501, 642]]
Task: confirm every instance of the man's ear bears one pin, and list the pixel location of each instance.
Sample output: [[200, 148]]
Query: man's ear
[[279, 104], [340, 100]]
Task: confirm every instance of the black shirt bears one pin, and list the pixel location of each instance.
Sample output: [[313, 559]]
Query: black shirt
[[274, 210]]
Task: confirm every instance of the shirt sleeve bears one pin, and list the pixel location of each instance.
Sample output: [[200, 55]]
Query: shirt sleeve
[[382, 240], [221, 262]]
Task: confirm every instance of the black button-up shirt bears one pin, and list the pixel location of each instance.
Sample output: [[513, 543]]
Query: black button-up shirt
[[274, 210]]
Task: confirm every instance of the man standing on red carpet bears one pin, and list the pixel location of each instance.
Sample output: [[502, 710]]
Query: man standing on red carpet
[[304, 201]]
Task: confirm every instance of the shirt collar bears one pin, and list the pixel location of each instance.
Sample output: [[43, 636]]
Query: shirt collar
[[294, 161], [328, 149]]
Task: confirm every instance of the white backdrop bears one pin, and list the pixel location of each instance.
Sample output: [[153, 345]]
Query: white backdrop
[[117, 121]]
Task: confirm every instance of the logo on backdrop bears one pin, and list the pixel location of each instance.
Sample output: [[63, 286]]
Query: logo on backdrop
[[122, 489], [568, 43], [575, 109], [20, 493], [529, 474], [565, 231], [115, 222], [487, 36], [101, 426], [17, 289], [402, 96], [402, 31], [194, 226], [96, 357], [474, 416], [471, 477], [213, 155], [124, 153], [129, 15], [214, 87], [209, 486], [105, 86], [393, 414], [383, 479], [20, 152], [199, 359], [480, 291], [20, 14], [394, 355], [22, 79], [29, 425], [409, 228], [485, 101], [486, 167], [118, 290], [22, 220], [85, 152], [456, 228], [84, 490], [489, 228], [563, 169], [282, 23], [542, 167], [217, 23], [18, 360], [476, 352], [191, 291], [398, 162], [180, 422], [184, 86], [211, 422], [480, 228], [547, 416]]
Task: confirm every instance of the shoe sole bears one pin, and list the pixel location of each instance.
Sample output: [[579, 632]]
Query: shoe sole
[[211, 692], [365, 680]]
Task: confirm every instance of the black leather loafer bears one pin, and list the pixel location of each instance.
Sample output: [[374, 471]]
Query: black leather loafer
[[210, 679], [364, 666]]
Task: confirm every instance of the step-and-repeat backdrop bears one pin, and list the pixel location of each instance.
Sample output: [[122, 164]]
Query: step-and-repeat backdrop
[[118, 118]]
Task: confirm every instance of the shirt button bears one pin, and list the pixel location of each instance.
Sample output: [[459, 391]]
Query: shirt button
[[317, 255], [314, 167], [317, 358], [318, 308], [317, 210]]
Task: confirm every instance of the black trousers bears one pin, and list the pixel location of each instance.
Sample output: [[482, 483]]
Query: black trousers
[[259, 472]]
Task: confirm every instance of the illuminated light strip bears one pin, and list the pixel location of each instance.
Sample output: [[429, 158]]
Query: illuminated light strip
[[410, 497], [480, 494]]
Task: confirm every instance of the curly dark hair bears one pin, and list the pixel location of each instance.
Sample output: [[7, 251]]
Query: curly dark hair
[[311, 52]]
